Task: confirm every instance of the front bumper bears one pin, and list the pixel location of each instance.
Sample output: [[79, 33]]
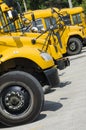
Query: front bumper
[[52, 76], [84, 41], [62, 63]]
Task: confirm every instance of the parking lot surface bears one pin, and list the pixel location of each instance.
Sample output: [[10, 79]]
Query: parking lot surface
[[65, 106]]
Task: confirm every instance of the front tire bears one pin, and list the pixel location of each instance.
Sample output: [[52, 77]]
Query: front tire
[[74, 46], [21, 98]]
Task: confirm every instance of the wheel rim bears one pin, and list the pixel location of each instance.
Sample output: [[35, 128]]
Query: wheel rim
[[16, 101], [72, 46]]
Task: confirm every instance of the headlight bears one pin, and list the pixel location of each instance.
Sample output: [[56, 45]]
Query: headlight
[[46, 56]]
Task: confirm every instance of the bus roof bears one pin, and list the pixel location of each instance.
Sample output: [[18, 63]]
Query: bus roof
[[72, 10], [42, 13]]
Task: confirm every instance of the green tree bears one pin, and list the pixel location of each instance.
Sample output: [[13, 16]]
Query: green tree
[[84, 5], [39, 4]]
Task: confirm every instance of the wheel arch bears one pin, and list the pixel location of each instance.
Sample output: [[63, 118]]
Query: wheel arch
[[26, 65], [75, 36]]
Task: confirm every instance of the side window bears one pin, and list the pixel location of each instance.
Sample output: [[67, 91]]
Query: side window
[[53, 21], [76, 18], [50, 21], [47, 22], [79, 18]]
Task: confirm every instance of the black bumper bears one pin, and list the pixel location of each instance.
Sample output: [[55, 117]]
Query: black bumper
[[84, 41], [62, 63], [52, 76]]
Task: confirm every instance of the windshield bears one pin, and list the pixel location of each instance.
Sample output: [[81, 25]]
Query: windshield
[[38, 24], [66, 19], [50, 21], [3, 22], [9, 25]]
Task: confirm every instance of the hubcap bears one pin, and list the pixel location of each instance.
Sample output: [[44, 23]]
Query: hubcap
[[15, 99], [72, 46]]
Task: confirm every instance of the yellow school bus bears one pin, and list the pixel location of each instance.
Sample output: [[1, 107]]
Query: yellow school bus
[[75, 16], [69, 36]]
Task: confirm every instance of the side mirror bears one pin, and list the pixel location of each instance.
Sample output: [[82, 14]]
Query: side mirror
[[42, 30], [26, 21], [34, 29]]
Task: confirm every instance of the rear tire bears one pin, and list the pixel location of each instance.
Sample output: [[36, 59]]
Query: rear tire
[[21, 98], [74, 46]]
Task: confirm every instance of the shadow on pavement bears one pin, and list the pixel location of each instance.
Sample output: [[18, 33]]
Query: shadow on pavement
[[51, 90], [51, 106], [63, 84]]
